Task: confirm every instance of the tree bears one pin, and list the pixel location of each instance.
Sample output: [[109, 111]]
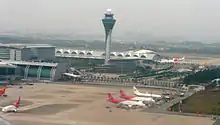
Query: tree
[[202, 76]]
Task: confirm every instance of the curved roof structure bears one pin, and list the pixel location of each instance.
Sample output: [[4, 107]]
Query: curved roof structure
[[143, 51], [139, 54]]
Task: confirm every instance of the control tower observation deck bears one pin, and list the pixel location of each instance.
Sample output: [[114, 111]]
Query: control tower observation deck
[[108, 22]]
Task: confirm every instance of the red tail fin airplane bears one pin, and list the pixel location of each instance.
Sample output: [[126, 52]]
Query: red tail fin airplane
[[112, 99], [13, 107], [2, 91], [125, 102], [17, 104], [124, 96]]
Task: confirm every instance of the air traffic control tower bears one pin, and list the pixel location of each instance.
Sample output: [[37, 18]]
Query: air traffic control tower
[[108, 23]]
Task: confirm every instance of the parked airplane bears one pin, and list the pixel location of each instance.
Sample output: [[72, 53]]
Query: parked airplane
[[2, 91], [13, 107], [72, 75], [145, 100], [173, 60], [128, 103], [137, 93]]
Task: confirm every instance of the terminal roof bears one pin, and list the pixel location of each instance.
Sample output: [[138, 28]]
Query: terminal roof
[[21, 46]]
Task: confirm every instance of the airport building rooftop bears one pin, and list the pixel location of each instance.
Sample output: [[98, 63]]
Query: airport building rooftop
[[27, 52], [135, 54], [6, 65], [29, 63], [34, 70], [21, 46]]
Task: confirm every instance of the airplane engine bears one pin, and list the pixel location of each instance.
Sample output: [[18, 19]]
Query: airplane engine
[[15, 110], [134, 106], [120, 106], [123, 106], [145, 102], [3, 110]]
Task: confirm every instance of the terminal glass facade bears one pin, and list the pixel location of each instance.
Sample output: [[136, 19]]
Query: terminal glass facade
[[4, 53], [32, 72], [7, 71], [46, 72], [38, 72]]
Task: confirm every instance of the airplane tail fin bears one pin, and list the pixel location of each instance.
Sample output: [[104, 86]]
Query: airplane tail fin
[[135, 90], [122, 93], [110, 97], [17, 104], [3, 89]]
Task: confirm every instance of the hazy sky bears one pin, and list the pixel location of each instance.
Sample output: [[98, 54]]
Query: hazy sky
[[190, 19]]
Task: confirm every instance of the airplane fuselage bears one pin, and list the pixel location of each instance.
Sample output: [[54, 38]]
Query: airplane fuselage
[[171, 60], [148, 95], [144, 99], [9, 108], [132, 103]]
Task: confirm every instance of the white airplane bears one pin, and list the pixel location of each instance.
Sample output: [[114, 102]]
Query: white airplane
[[135, 98], [128, 103], [13, 107], [173, 60], [72, 75], [137, 93]]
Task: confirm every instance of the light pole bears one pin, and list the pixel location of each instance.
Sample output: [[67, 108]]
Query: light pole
[[180, 106], [122, 66]]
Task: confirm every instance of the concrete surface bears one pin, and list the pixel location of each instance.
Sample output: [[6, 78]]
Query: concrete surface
[[54, 104]]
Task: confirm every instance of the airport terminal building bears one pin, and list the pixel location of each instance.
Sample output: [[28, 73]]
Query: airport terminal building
[[46, 62], [26, 52], [120, 62], [30, 61], [34, 70]]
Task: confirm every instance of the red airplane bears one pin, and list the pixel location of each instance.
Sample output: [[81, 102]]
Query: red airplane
[[135, 98], [13, 107], [124, 102], [112, 99], [124, 96]]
